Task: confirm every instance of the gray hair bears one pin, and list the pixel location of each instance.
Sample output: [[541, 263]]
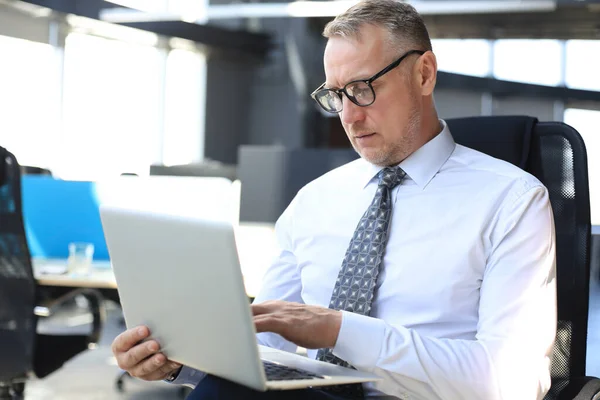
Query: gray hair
[[404, 24]]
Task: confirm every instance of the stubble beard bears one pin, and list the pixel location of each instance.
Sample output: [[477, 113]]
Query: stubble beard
[[393, 153]]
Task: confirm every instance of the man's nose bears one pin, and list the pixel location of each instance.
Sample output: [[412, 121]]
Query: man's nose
[[351, 113]]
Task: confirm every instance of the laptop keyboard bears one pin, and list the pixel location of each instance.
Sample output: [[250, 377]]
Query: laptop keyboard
[[277, 372]]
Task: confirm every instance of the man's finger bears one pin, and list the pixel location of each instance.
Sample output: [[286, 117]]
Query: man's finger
[[268, 307], [259, 309], [269, 323], [149, 366], [137, 354], [162, 372], [130, 338]]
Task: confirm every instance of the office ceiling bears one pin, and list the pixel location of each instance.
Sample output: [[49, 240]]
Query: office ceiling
[[241, 42], [492, 19], [570, 20], [554, 19], [566, 19]]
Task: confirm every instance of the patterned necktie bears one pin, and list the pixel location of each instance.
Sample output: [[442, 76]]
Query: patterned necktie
[[355, 285]]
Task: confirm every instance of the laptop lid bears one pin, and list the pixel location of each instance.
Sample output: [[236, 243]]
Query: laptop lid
[[180, 276]]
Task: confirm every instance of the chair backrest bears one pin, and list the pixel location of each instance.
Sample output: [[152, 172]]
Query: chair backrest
[[555, 153], [17, 284]]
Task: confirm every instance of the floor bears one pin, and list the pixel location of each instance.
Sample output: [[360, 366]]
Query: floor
[[91, 376]]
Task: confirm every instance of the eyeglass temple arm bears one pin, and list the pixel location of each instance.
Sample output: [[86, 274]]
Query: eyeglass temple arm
[[393, 65]]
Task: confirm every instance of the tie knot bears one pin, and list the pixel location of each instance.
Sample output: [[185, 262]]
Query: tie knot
[[391, 177]]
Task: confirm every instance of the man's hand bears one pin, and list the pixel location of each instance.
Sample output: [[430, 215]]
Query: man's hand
[[142, 360], [312, 327]]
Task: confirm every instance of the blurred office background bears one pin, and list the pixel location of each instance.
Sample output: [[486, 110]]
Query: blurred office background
[[91, 90], [88, 99]]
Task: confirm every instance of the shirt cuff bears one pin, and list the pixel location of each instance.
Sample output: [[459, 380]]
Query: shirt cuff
[[189, 377], [360, 332]]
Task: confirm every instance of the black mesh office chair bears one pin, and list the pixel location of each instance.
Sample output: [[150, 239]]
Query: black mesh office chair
[[22, 351], [555, 153]]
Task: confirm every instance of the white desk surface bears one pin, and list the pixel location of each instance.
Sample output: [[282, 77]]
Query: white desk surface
[[101, 276], [47, 272]]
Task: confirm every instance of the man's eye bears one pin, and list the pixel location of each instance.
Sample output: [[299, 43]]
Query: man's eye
[[362, 93]]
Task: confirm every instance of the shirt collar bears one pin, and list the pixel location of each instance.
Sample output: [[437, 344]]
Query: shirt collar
[[422, 165]]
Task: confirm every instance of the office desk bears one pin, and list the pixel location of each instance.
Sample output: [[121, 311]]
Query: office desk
[[53, 282], [47, 273]]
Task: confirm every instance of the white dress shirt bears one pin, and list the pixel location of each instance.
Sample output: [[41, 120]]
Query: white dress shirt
[[465, 303]]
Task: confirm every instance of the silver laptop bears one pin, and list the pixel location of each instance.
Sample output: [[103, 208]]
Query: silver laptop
[[181, 277]]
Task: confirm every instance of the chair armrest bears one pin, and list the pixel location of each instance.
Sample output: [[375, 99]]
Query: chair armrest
[[581, 388], [96, 307]]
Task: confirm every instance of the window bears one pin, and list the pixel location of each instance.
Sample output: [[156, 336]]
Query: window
[[587, 122], [529, 61], [184, 107], [29, 99], [112, 109], [463, 56], [583, 64]]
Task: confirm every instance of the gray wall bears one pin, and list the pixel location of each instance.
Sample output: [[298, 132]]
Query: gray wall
[[228, 91], [272, 175], [281, 106], [457, 103], [541, 108], [264, 102], [276, 116]]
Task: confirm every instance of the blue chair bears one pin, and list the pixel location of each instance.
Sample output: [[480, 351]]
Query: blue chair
[[58, 212]]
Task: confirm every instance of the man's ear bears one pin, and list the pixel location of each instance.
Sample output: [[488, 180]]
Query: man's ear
[[427, 72]]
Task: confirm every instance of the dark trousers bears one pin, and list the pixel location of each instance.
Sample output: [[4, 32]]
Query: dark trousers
[[212, 388]]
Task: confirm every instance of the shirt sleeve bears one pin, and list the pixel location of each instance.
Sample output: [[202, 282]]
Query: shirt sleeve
[[510, 357], [188, 377]]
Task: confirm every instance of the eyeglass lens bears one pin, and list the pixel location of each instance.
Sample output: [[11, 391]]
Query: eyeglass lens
[[359, 93]]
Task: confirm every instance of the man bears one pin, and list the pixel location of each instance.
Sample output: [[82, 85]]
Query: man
[[461, 304]]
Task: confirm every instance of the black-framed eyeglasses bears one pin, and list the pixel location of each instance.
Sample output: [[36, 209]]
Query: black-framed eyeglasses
[[360, 92]]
